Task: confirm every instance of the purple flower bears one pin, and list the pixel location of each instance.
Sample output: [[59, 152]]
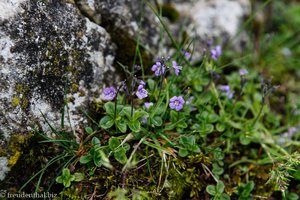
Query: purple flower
[[158, 68], [176, 68], [176, 103], [142, 83], [148, 105], [226, 90], [243, 72], [186, 54], [144, 120], [109, 93], [216, 52], [141, 92], [287, 136]]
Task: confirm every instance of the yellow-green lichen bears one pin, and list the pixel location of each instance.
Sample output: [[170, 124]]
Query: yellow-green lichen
[[20, 98], [13, 159], [15, 101], [14, 150]]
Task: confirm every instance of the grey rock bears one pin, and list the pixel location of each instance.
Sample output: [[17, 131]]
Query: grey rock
[[46, 47], [127, 21], [3, 167], [216, 22]]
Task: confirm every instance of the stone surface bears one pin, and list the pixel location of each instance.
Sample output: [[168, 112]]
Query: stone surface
[[214, 21], [44, 49], [216, 18], [127, 21]]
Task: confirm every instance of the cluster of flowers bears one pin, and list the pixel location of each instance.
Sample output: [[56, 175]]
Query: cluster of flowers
[[159, 69]]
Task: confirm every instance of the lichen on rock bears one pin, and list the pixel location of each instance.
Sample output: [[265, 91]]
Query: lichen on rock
[[46, 47]]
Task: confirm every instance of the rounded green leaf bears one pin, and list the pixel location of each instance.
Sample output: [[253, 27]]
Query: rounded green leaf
[[59, 179], [113, 143], [183, 152], [156, 121], [211, 189], [89, 130], [110, 108], [78, 176], [220, 127], [220, 187], [138, 114], [135, 126], [121, 125], [85, 159], [120, 155], [106, 122], [96, 142]]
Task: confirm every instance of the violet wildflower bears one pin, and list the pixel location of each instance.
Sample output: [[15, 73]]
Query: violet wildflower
[[227, 91], [141, 93], [176, 68], [176, 103], [144, 120], [186, 54], [243, 72], [158, 68], [142, 83], [109, 93], [148, 105], [287, 136], [216, 52]]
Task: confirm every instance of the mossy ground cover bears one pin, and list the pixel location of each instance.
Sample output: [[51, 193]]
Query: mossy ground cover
[[224, 127]]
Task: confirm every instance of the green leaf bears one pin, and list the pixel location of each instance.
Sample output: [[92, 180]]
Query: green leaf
[[211, 189], [174, 116], [217, 170], [220, 127], [59, 179], [244, 140], [182, 125], [218, 154], [95, 142], [110, 108], [156, 121], [106, 122], [126, 146], [135, 126], [220, 187], [126, 111], [89, 130], [187, 140], [66, 173], [97, 162], [113, 143], [224, 197], [247, 189], [151, 84], [120, 155], [138, 114], [195, 149], [183, 152], [85, 159], [159, 109], [292, 196], [78, 176], [121, 125]]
